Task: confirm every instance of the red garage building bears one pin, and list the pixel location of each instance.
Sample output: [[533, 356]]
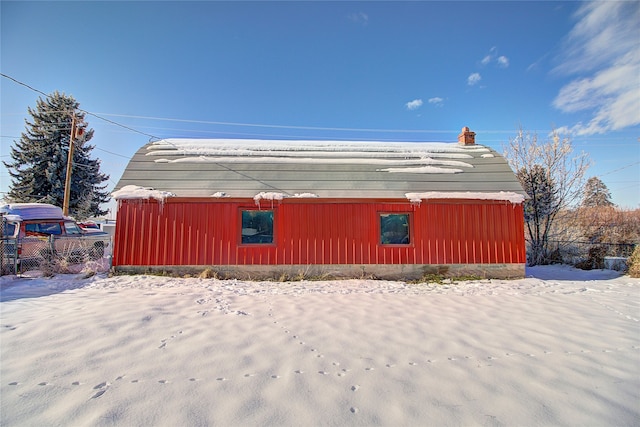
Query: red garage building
[[255, 208]]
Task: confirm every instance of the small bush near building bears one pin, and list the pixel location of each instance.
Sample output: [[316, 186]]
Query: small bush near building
[[595, 261], [634, 262]]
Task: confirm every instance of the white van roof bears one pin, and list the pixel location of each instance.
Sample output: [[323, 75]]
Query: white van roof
[[27, 211]]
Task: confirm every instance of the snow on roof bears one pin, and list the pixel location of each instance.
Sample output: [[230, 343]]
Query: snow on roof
[[274, 195], [250, 147], [502, 195], [423, 169], [27, 211], [137, 192], [315, 161], [328, 169], [427, 156]]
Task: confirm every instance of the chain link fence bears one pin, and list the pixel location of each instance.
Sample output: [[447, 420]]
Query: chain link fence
[[56, 254]]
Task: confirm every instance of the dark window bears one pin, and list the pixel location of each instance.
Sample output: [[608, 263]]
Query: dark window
[[257, 226], [43, 228], [72, 228], [394, 229], [8, 229]]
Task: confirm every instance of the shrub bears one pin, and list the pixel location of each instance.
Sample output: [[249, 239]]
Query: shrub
[[634, 262], [595, 260], [209, 273]]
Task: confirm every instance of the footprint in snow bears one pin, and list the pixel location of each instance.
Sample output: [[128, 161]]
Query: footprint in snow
[[102, 389], [99, 393]]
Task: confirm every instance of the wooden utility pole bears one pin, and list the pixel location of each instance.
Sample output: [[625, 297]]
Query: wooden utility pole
[[67, 181]]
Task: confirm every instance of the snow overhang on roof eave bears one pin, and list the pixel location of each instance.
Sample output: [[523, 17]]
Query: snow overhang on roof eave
[[506, 196]]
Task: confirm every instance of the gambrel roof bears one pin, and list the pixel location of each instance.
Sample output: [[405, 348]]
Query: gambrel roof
[[325, 169]]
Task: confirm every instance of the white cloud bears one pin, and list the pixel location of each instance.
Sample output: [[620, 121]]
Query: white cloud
[[503, 61], [413, 105], [603, 53], [360, 18], [474, 79], [436, 100]]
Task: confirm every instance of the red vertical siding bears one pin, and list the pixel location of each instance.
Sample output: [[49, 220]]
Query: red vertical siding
[[204, 232]]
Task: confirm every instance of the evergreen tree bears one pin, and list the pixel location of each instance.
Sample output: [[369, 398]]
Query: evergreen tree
[[599, 220], [39, 160], [539, 210], [596, 194]]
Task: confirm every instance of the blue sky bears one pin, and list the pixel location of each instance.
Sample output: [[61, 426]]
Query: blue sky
[[403, 71]]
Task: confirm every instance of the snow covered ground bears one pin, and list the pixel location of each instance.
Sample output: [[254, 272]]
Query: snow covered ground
[[561, 347]]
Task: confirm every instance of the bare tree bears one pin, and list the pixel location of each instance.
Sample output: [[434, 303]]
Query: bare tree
[[552, 177]]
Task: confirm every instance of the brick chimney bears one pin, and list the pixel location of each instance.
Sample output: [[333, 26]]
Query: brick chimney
[[467, 137]]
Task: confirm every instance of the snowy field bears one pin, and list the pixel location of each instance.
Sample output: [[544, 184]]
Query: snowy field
[[561, 347]]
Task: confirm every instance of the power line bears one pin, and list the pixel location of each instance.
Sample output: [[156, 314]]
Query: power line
[[100, 116], [24, 84], [258, 125], [275, 126], [110, 152], [81, 110], [271, 126], [120, 125], [619, 169], [97, 148]]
